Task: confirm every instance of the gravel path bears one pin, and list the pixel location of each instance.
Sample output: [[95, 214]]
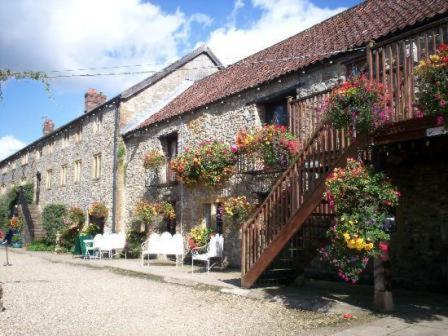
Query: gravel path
[[45, 298]]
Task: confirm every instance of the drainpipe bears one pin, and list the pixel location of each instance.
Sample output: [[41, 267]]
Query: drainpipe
[[115, 163]]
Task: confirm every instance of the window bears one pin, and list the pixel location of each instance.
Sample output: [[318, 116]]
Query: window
[[65, 139], [213, 216], [171, 147], [276, 113], [97, 123], [77, 171], [78, 134], [48, 178], [25, 159], [50, 147], [38, 153], [63, 180], [96, 167]]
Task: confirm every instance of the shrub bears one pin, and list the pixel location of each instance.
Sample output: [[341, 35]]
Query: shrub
[[272, 143], [362, 200], [98, 210], [134, 240], [28, 191], [40, 245], [210, 164], [145, 211], [432, 83], [153, 159], [53, 220], [76, 217], [360, 105]]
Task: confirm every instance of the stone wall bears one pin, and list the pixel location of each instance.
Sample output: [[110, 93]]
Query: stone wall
[[88, 189], [135, 109], [219, 121]]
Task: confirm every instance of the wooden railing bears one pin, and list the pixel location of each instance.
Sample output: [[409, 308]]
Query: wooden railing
[[296, 187], [393, 63]]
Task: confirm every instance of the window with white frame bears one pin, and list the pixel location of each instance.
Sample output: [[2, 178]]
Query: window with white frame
[[77, 171], [213, 216], [78, 134], [97, 122], [48, 178], [63, 177], [96, 166]]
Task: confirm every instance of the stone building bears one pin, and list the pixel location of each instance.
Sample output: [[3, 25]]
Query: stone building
[[195, 99], [77, 164]]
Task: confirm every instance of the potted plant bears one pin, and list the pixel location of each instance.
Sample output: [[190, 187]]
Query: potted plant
[[97, 216], [16, 241], [199, 236], [153, 159]]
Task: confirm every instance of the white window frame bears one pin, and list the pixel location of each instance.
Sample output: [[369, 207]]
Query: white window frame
[[63, 176], [77, 171], [96, 166]]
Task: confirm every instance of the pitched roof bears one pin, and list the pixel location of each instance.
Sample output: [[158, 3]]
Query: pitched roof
[[372, 19], [169, 69]]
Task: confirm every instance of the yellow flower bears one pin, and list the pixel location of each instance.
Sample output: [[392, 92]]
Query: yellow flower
[[368, 246], [434, 58], [351, 243], [347, 236]]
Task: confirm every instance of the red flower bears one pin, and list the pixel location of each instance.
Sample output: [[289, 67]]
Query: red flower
[[347, 316], [384, 247], [440, 120], [442, 47]]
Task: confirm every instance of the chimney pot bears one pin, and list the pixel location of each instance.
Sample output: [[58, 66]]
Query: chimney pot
[[48, 126], [93, 99]]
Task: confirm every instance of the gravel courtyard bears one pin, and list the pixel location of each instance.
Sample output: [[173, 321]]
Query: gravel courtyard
[[45, 298]]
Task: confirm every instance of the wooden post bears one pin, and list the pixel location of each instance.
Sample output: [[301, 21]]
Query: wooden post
[[383, 301]]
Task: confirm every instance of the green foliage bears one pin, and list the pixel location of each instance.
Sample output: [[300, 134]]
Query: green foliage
[[6, 74], [54, 220], [76, 217], [360, 105], [40, 245], [432, 82], [362, 200], [200, 235], [210, 164], [121, 154], [135, 238], [16, 238], [92, 230]]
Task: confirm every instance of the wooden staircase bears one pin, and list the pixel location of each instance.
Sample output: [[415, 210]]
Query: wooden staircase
[[293, 206]]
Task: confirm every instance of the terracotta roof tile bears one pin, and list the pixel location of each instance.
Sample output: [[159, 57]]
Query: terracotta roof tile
[[352, 28]]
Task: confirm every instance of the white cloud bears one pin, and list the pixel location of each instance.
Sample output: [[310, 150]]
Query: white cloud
[[73, 34], [9, 145], [279, 20]]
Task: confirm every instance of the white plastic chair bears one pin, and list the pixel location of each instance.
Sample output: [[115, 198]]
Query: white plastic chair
[[215, 249], [92, 247]]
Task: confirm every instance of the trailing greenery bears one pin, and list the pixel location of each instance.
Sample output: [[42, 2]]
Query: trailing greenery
[[432, 82], [7, 74], [210, 164], [362, 200], [40, 245], [54, 220], [121, 154], [98, 210]]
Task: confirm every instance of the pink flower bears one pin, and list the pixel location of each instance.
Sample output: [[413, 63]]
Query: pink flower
[[348, 316], [442, 103], [440, 120], [384, 247], [234, 148]]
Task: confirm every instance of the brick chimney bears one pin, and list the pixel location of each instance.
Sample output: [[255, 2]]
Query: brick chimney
[[92, 99], [48, 126]]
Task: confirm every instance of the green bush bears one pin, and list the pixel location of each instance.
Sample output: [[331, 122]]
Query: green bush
[[40, 245], [53, 220], [8, 201], [135, 238]]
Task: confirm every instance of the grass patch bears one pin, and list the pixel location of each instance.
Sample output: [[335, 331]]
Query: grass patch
[[40, 245]]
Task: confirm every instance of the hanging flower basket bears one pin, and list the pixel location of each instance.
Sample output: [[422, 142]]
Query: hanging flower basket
[[210, 164], [146, 212], [273, 144], [153, 159], [15, 223], [362, 200], [432, 83], [98, 210], [360, 105], [238, 208]]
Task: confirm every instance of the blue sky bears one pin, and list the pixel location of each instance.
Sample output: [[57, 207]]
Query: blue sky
[[74, 34]]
